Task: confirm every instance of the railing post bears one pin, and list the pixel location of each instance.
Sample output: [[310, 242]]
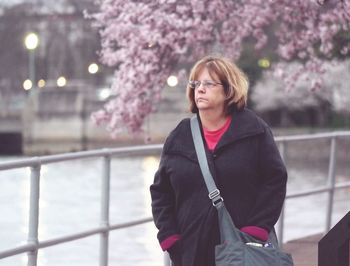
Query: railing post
[[34, 213], [105, 187], [167, 261], [280, 228], [331, 183]]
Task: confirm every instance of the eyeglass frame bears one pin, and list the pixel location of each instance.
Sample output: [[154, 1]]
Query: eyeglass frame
[[195, 84]]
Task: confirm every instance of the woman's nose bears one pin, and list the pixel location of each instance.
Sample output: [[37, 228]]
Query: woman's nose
[[201, 88]]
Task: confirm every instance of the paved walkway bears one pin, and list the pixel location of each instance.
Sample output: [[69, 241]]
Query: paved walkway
[[304, 250]]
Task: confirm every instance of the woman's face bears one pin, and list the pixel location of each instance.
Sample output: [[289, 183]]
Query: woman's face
[[211, 95]]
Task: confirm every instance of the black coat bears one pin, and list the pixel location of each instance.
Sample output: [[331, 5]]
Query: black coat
[[248, 170]]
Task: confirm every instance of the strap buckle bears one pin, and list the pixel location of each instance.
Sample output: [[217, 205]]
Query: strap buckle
[[215, 197]]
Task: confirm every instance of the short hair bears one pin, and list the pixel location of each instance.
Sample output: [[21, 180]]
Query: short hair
[[234, 81]]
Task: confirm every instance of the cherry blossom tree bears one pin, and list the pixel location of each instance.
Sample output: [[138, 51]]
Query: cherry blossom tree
[[146, 40]]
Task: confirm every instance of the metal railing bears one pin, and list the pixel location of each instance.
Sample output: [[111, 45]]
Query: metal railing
[[34, 244], [331, 185]]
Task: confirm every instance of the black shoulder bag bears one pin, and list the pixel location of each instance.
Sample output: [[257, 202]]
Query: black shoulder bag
[[236, 248]]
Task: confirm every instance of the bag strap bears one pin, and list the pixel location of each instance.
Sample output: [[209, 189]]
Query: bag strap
[[214, 192], [226, 225]]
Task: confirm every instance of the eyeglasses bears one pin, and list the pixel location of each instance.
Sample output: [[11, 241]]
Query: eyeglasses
[[207, 84]]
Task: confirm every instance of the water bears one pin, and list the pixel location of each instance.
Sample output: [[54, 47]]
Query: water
[[70, 202]]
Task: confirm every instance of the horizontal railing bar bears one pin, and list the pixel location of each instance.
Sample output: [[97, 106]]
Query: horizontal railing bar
[[33, 161], [140, 149], [317, 190], [313, 136], [342, 185], [129, 224], [51, 242], [17, 250], [59, 240], [134, 150], [64, 239], [308, 192]]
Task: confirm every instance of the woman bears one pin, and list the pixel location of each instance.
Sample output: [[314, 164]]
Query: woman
[[243, 159]]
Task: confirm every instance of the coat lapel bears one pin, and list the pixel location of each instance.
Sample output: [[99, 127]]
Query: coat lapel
[[244, 124]]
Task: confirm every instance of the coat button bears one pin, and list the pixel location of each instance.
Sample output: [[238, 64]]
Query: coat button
[[215, 155]]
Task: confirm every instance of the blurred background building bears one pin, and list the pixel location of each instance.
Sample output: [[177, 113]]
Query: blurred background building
[[48, 91]]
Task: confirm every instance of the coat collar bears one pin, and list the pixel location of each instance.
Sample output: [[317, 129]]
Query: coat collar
[[244, 124]]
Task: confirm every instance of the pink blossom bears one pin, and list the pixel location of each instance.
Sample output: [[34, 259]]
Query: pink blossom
[[146, 40]]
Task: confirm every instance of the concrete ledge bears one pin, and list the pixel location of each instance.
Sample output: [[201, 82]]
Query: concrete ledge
[[304, 250]]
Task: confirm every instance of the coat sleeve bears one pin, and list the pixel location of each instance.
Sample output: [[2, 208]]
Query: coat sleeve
[[272, 192], [163, 203]]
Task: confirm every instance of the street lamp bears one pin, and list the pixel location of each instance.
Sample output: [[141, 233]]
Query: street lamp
[[93, 68], [27, 84], [61, 81], [172, 81], [31, 42]]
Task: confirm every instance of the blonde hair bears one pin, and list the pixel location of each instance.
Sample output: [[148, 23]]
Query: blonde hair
[[234, 81]]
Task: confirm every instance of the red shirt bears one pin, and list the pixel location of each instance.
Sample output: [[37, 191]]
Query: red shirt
[[212, 137]]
